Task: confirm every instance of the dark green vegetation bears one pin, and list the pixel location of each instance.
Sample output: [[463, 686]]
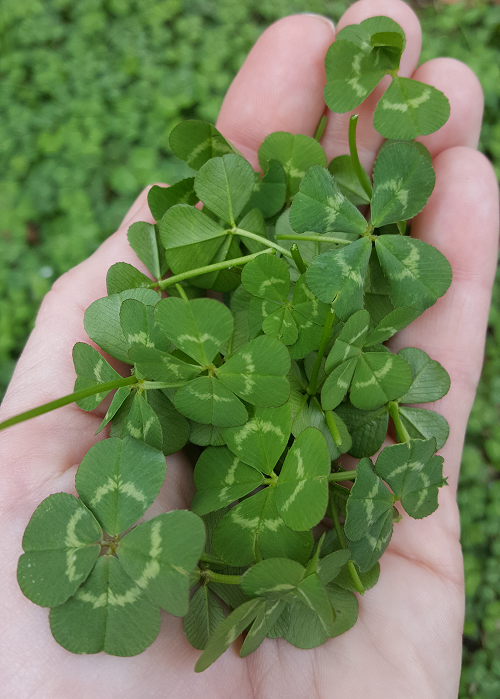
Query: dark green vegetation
[[85, 126]]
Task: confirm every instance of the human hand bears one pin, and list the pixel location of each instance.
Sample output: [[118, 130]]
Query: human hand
[[407, 640]]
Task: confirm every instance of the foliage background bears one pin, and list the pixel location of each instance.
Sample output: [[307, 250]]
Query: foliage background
[[89, 92]]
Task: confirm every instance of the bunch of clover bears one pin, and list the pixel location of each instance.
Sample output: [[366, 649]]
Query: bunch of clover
[[273, 384]]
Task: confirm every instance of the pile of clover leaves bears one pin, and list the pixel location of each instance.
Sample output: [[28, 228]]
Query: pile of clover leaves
[[273, 385]]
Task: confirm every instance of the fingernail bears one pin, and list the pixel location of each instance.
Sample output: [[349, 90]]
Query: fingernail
[[324, 19]]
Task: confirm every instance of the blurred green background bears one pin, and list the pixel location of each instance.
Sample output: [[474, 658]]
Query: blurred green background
[[89, 92]]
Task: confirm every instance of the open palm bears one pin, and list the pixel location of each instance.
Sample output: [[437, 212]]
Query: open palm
[[407, 641]]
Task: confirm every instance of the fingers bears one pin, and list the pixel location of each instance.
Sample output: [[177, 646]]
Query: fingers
[[461, 220], [280, 86]]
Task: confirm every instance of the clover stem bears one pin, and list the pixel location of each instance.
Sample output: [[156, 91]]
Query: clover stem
[[313, 238], [164, 283], [297, 258], [181, 291], [342, 476], [264, 241], [352, 570], [320, 128], [66, 400], [332, 426], [358, 169], [313, 382], [210, 576], [401, 431]]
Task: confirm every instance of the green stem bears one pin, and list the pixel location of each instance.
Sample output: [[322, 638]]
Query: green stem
[[297, 258], [66, 400], [313, 238], [210, 558], [311, 389], [264, 241], [401, 430], [181, 292], [401, 227], [152, 385], [358, 169], [220, 578], [342, 476], [210, 268], [332, 426], [320, 129], [352, 570]]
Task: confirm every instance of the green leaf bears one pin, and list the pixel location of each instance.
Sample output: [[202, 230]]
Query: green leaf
[[363, 33], [337, 384], [142, 423], [91, 370], [208, 400], [304, 629], [377, 300], [119, 399], [352, 74], [350, 341], [205, 435], [331, 565], [257, 373], [138, 325], [198, 327], [174, 426], [228, 631], [347, 180], [160, 555], [198, 141], [273, 578], [417, 273], [296, 153], [204, 616], [409, 109], [269, 192], [391, 324], [162, 366], [313, 416], [320, 206], [118, 480], [312, 592], [414, 475], [102, 321], [122, 276], [430, 380], [220, 479], [101, 614], [224, 185], [160, 199], [367, 428], [403, 180], [267, 277], [302, 489], [254, 529], [281, 324], [338, 276], [368, 522], [379, 377], [145, 242], [61, 544], [424, 424], [345, 606], [190, 237], [266, 618], [261, 441]]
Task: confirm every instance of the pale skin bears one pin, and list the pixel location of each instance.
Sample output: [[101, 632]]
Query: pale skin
[[407, 641]]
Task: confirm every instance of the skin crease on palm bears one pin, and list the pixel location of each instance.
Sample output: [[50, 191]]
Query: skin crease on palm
[[407, 641]]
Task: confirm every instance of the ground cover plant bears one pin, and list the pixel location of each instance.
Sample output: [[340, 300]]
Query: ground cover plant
[[273, 385]]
